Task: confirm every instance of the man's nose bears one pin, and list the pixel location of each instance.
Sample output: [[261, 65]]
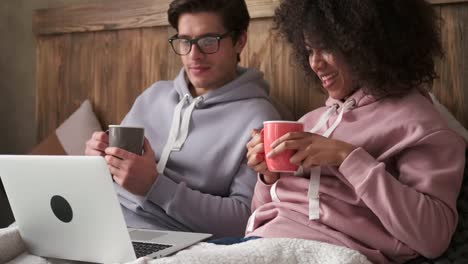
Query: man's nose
[[195, 52]]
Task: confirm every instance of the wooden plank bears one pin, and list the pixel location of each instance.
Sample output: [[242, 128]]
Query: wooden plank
[[451, 88], [155, 50], [51, 57], [97, 16], [119, 14], [118, 74], [46, 101], [105, 81], [78, 75], [444, 2], [125, 14], [282, 82], [262, 8], [113, 67], [259, 47], [129, 71]]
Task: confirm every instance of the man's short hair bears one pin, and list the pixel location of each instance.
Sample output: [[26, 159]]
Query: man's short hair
[[233, 13]]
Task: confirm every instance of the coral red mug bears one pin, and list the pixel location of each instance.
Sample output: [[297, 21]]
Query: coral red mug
[[272, 130]]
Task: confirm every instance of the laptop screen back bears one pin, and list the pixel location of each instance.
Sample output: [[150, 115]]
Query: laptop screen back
[[66, 207]]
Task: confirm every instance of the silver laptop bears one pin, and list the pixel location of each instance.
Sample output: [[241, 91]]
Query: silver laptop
[[66, 207]]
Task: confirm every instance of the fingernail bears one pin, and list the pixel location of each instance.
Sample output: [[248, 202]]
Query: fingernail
[[269, 154]]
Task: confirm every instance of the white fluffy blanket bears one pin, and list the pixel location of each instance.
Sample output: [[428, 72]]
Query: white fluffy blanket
[[258, 251]]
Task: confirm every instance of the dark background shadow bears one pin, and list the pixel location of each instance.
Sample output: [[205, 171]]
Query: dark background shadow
[[6, 217]]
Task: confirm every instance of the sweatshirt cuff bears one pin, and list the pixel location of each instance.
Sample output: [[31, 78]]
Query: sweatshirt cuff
[[262, 190], [357, 167], [162, 191]]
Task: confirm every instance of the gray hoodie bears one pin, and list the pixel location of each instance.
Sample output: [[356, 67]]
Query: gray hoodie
[[204, 183]]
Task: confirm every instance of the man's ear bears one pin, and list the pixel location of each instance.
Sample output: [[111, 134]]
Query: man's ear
[[241, 41]]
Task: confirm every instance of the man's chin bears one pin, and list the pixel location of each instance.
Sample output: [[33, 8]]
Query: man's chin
[[205, 86], [200, 82]]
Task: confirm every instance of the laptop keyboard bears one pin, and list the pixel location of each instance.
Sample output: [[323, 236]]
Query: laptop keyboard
[[143, 249]]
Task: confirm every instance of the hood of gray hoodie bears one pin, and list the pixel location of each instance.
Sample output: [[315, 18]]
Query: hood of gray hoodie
[[249, 84]]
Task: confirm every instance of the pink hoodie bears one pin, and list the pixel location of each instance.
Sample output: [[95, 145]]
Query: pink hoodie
[[392, 199]]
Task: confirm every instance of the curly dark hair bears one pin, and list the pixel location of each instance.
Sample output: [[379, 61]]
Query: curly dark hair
[[389, 44]]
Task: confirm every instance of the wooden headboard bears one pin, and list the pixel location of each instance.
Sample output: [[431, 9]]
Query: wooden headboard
[[111, 51]]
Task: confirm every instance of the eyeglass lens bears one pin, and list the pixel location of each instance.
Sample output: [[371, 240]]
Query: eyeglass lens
[[206, 45]]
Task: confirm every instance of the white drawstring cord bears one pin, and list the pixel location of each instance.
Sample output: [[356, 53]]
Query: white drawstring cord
[[324, 118], [185, 124], [314, 182], [274, 196], [346, 107], [251, 222], [173, 133], [313, 193]]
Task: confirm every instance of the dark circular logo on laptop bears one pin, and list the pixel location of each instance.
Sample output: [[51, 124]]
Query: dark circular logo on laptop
[[61, 208]]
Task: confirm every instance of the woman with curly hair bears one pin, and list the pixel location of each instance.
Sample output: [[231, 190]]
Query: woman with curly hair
[[380, 169]]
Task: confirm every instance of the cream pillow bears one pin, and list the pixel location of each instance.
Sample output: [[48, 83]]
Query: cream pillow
[[71, 136]]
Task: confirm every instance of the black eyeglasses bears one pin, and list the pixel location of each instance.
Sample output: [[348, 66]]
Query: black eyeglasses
[[208, 44]]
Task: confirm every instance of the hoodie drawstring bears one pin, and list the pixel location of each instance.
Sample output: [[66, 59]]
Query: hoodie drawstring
[[185, 124], [178, 132], [348, 105], [324, 118], [314, 182]]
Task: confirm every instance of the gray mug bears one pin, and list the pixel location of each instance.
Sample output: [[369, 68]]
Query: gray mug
[[125, 137]]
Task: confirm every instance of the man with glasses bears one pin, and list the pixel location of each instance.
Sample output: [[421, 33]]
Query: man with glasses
[[193, 175]]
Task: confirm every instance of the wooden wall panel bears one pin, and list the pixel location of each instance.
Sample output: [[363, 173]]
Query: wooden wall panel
[[78, 73], [282, 82], [99, 16], [452, 87], [118, 75], [129, 75], [155, 55], [105, 84], [125, 14], [119, 14], [112, 66], [258, 52], [444, 2], [51, 58]]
